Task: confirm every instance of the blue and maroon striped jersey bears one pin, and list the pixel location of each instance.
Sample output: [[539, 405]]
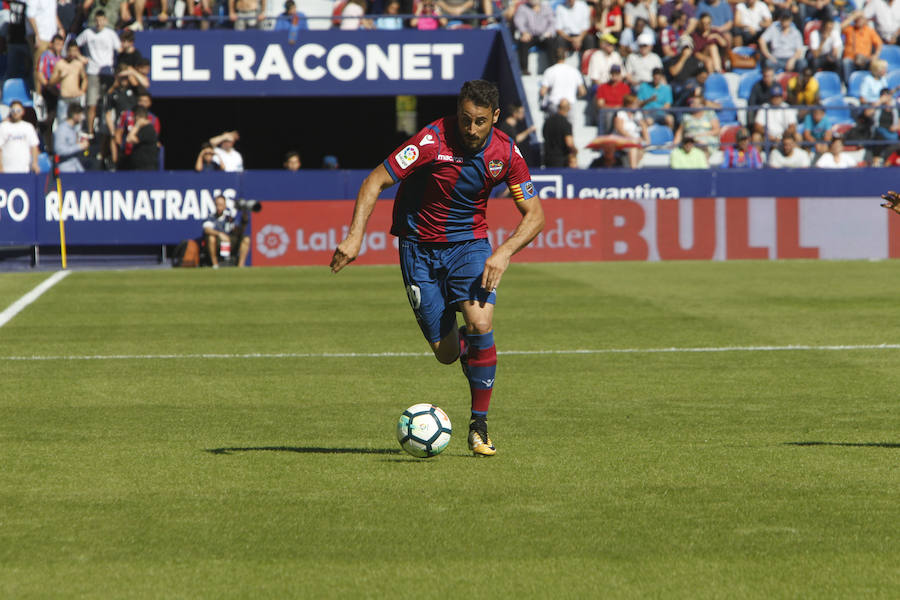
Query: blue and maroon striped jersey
[[445, 188]]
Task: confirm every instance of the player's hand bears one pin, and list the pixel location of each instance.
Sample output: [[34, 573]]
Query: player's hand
[[892, 199], [494, 267], [344, 254]]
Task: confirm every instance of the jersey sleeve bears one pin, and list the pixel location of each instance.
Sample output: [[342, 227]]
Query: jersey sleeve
[[416, 152], [518, 178]]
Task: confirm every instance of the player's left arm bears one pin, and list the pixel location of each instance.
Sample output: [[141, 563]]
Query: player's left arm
[[892, 201], [531, 224]]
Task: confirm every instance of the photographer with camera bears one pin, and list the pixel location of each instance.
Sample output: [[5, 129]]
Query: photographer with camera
[[226, 230]]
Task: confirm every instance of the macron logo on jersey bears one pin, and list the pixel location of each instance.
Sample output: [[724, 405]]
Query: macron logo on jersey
[[450, 157], [407, 156], [426, 140]]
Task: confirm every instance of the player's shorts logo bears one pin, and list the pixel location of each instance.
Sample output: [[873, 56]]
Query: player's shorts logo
[[495, 166], [272, 241], [407, 156]]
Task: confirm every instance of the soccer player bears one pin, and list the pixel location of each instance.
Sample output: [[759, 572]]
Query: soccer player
[[447, 171]]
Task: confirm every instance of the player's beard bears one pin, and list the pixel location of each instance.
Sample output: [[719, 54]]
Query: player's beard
[[473, 144]]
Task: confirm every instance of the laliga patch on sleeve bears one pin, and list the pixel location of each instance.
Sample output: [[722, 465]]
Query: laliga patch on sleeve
[[407, 156]]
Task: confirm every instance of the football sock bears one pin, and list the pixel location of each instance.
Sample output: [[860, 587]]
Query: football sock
[[482, 366]]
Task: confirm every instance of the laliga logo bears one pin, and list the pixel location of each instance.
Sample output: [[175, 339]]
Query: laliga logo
[[16, 204], [272, 241]]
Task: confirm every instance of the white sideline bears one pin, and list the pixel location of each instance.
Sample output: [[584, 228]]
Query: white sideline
[[798, 348], [19, 305]]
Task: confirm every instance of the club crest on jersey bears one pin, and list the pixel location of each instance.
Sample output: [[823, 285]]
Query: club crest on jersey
[[495, 166], [407, 156]]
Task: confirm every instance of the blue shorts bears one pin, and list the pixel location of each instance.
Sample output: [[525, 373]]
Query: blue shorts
[[438, 276]]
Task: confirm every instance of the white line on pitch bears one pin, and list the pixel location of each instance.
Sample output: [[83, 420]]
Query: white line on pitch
[[19, 305], [798, 348]]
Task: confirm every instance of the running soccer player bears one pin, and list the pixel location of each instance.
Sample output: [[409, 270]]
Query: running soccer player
[[447, 172]]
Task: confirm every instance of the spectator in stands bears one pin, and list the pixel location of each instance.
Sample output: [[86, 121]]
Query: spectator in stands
[[657, 95], [887, 125], [536, 27], [18, 142], [48, 93], [202, 9], [701, 124], [778, 118], [515, 127], [671, 34], [608, 19], [751, 18], [603, 60], [102, 43], [121, 98], [292, 161], [628, 41], [353, 14], [640, 65], [330, 161], [68, 142], [686, 73], [225, 230], [642, 9], [134, 11], [835, 157], [781, 45], [456, 9], [127, 123], [826, 47], [817, 129], [246, 14], [630, 125], [144, 142], [205, 159], [573, 23], [688, 156], [803, 89], [789, 155], [708, 44], [294, 21], [722, 17], [742, 155], [43, 25], [428, 17], [225, 155], [388, 21], [610, 95], [559, 144], [560, 81], [861, 44], [685, 7], [70, 76], [874, 83], [760, 93], [128, 55], [882, 16]]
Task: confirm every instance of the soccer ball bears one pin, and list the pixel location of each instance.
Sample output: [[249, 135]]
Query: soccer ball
[[424, 430]]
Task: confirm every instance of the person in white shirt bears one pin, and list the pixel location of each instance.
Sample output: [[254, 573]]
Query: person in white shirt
[[826, 47], [561, 81], [835, 157], [882, 17], [226, 156], [18, 142], [573, 21], [789, 156], [604, 58], [774, 123], [751, 18], [640, 66], [102, 44]]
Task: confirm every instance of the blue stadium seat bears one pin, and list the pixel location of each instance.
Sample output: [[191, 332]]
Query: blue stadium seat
[[728, 113], [716, 87], [15, 89], [660, 135], [854, 85], [893, 79], [837, 109], [748, 80], [891, 54], [44, 162], [829, 84]]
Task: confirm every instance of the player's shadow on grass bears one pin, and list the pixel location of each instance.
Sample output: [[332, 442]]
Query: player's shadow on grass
[[847, 444], [303, 450]]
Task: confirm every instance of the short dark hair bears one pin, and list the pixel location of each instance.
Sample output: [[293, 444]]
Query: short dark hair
[[126, 36], [58, 37], [290, 154], [481, 93], [140, 112], [513, 107], [75, 109], [14, 102]]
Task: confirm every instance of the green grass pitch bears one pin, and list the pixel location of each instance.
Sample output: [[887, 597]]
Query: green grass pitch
[[736, 474]]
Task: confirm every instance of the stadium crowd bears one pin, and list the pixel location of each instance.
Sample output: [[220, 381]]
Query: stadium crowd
[[682, 82]]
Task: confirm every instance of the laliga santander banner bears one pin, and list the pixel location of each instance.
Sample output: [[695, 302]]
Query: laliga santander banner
[[591, 229]]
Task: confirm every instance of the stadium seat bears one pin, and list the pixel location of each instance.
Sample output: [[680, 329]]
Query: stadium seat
[[854, 85], [728, 135], [745, 51], [661, 135], [748, 80], [837, 109], [809, 28], [15, 89], [893, 78], [734, 81], [716, 87], [891, 54], [783, 78], [4, 111], [44, 162], [829, 84], [728, 113]]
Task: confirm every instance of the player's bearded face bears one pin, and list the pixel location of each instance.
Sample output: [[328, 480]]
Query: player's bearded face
[[475, 124]]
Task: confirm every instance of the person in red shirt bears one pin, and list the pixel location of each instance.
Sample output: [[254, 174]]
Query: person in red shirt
[[610, 95]]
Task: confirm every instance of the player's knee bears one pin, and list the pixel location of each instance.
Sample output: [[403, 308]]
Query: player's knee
[[479, 326]]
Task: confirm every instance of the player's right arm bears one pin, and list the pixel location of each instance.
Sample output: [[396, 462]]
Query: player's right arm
[[892, 199], [376, 182]]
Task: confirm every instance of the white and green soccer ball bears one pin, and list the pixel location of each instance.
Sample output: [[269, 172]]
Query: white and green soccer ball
[[424, 430]]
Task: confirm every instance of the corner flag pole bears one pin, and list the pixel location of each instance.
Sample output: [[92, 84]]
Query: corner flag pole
[[59, 202]]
